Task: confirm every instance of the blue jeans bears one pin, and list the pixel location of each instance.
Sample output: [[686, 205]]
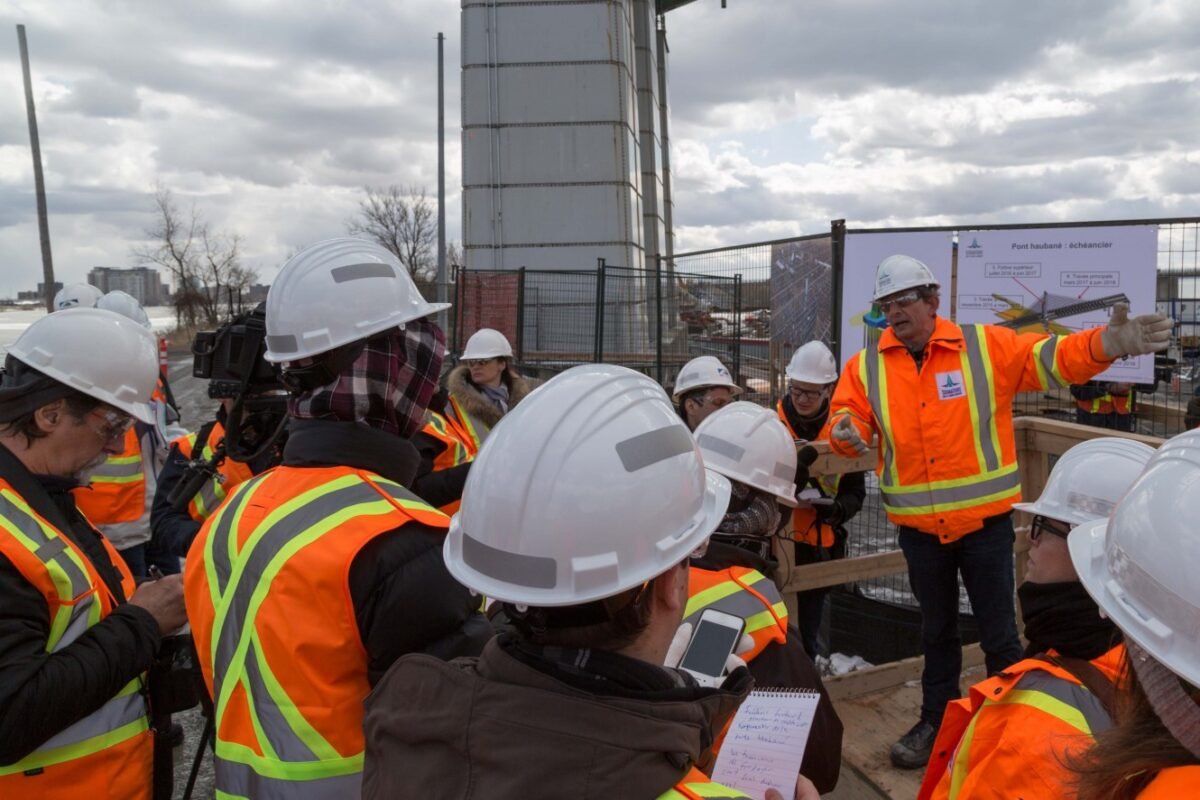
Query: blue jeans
[[985, 558]]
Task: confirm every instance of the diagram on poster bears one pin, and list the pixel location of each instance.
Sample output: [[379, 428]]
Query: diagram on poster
[[1059, 280], [861, 321]]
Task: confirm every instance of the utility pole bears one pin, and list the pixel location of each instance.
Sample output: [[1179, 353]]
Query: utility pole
[[38, 182], [441, 170]]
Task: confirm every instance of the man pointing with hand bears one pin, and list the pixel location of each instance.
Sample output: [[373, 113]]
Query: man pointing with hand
[[939, 396]]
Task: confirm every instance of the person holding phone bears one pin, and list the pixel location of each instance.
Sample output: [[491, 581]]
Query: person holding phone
[[828, 502], [575, 701], [732, 583]]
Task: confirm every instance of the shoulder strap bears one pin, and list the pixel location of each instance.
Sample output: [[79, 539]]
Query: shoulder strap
[[1090, 676]]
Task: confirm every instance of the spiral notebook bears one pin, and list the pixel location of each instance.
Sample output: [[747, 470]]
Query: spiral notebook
[[765, 743]]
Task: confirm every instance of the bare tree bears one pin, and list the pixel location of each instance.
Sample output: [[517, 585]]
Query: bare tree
[[404, 221], [204, 264]]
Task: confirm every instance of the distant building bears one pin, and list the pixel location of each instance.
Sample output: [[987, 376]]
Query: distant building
[[143, 283], [40, 294]]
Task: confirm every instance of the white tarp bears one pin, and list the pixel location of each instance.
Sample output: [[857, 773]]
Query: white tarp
[[1059, 280], [863, 253]]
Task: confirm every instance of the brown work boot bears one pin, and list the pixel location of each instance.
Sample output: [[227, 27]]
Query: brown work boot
[[914, 747]]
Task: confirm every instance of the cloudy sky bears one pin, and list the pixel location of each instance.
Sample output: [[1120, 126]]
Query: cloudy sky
[[271, 116]]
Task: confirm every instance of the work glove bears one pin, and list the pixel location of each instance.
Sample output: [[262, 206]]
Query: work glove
[[679, 645], [845, 432], [1149, 333]]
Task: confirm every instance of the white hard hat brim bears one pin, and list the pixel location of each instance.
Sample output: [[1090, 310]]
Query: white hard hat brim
[[714, 505], [1176, 650]]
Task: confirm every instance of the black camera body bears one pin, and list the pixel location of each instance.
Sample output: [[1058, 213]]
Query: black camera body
[[231, 358]]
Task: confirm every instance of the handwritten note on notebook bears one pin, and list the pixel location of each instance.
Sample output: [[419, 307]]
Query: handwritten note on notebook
[[765, 743]]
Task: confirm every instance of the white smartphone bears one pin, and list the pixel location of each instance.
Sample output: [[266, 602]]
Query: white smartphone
[[715, 638]]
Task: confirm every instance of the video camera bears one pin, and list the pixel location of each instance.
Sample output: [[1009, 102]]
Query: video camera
[[231, 358]]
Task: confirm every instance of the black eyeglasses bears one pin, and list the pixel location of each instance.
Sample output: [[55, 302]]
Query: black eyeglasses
[[1047, 525], [805, 394]]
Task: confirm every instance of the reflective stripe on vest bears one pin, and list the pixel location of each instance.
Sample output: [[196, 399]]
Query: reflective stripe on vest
[[993, 481], [1067, 701], [750, 596], [213, 491], [293, 750], [78, 607], [697, 785], [476, 431]]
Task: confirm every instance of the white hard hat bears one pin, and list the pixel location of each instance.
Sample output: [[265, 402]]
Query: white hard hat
[[897, 273], [336, 292], [125, 305], [487, 343], [812, 363], [704, 372], [747, 443], [1139, 565], [1089, 479], [100, 353], [591, 486], [77, 295]]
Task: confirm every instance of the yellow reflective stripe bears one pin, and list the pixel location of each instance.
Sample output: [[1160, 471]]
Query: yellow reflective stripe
[[710, 789], [78, 750], [717, 593], [960, 761], [210, 567], [260, 733], [288, 770], [1049, 375], [298, 722], [892, 473], [765, 619], [964, 359], [902, 511], [118, 480], [464, 419], [62, 581], [989, 374], [951, 483], [1051, 705]]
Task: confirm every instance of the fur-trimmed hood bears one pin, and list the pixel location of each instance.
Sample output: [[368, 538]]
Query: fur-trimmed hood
[[475, 403]]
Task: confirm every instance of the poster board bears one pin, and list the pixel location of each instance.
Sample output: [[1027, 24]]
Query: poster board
[[801, 298], [863, 253], [1059, 280]]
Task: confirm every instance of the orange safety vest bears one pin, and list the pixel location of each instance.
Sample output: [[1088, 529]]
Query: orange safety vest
[[1103, 404], [948, 456], [229, 474], [1173, 783], [473, 428], [805, 527], [109, 752], [117, 488], [1122, 403], [744, 593], [460, 447], [1014, 730], [698, 786], [266, 589]]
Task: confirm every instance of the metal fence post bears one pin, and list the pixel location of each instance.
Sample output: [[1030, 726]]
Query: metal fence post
[[598, 344], [520, 343], [737, 327], [460, 302], [837, 244], [658, 319]]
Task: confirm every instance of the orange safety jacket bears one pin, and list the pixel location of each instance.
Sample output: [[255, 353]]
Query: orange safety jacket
[[806, 529], [1100, 405], [117, 489], [109, 752], [1122, 403], [948, 456], [266, 589], [1013, 731], [474, 429], [698, 786], [745, 593], [1173, 783], [460, 447], [229, 474]]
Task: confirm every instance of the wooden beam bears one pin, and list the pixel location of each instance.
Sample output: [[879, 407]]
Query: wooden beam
[[885, 676], [845, 570]]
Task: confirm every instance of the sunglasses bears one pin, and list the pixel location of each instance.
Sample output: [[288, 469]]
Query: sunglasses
[[478, 362], [1042, 525], [900, 301], [112, 424]]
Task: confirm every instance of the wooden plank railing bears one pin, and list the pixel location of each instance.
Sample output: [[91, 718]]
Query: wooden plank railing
[[1038, 440]]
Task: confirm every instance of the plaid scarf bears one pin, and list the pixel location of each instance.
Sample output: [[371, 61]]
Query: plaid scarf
[[389, 385]]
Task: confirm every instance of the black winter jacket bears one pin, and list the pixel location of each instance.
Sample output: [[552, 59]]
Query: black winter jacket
[[43, 693], [852, 488], [405, 600]]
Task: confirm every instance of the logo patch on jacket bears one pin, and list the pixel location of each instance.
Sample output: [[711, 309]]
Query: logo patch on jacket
[[950, 385]]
